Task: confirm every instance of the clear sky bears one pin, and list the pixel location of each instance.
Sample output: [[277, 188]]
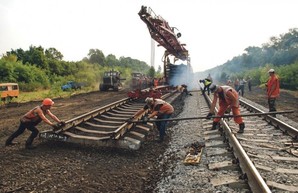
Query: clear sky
[[214, 31]]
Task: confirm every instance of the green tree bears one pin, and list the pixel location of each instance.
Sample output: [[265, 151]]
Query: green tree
[[151, 72], [111, 61], [53, 53], [96, 56]]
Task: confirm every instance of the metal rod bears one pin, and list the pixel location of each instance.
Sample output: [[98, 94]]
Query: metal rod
[[212, 117]]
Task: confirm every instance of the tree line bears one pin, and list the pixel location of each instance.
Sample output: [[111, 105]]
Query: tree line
[[39, 68], [280, 53]]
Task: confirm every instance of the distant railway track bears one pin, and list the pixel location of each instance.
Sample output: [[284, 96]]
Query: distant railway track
[[107, 126], [264, 157]]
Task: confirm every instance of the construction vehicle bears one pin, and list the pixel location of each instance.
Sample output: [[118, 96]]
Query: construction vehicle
[[111, 80], [167, 37], [71, 85], [139, 81], [8, 91]]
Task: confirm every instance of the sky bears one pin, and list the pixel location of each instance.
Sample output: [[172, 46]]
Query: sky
[[214, 31]]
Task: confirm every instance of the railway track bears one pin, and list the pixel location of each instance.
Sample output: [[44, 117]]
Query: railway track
[[107, 126], [262, 159]]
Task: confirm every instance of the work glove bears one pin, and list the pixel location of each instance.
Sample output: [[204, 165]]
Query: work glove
[[145, 119], [210, 115], [62, 123], [56, 127]]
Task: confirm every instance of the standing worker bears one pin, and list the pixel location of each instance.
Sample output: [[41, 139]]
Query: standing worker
[[236, 84], [272, 90], [159, 108], [228, 100], [33, 118], [249, 83], [241, 86]]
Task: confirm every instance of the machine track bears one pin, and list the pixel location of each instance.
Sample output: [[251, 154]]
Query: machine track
[[107, 126]]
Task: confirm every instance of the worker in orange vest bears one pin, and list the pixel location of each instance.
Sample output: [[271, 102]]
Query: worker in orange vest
[[228, 101], [159, 108], [33, 118], [272, 90]]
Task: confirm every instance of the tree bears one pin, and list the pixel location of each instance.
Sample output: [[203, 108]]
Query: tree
[[159, 69], [151, 72], [96, 57], [52, 53], [111, 60]]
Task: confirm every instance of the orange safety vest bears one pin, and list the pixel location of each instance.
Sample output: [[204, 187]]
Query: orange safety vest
[[32, 116], [165, 108], [227, 99], [273, 81]]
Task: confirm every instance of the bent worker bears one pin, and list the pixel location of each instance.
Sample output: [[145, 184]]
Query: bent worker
[[159, 108], [228, 100], [33, 118], [207, 82]]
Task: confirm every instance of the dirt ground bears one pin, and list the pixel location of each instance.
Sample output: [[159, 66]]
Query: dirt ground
[[60, 167], [287, 101]]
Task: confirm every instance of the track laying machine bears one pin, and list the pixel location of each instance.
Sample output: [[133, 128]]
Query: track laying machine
[[167, 37]]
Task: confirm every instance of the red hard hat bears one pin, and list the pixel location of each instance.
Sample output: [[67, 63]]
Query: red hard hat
[[47, 102]]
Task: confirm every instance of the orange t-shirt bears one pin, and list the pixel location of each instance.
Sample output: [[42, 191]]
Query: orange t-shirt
[[273, 87]]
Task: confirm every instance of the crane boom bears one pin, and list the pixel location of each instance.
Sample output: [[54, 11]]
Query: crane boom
[[161, 32]]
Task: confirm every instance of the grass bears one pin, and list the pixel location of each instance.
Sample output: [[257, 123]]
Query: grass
[[41, 94]]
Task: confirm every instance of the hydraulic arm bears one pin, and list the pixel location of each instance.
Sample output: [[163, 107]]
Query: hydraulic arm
[[162, 33]]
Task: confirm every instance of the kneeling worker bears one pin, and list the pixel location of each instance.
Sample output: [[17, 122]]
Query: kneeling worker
[[159, 108], [33, 118], [228, 100]]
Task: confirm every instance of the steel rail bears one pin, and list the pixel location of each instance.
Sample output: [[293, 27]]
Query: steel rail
[[126, 126], [84, 117], [293, 132], [103, 135], [255, 181]]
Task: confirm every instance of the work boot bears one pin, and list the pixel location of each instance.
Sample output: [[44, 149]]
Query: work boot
[[214, 125], [30, 147], [241, 128], [10, 143]]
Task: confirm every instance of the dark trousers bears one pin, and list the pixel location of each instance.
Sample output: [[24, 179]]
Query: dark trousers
[[30, 126], [271, 103], [241, 88], [161, 126], [206, 88]]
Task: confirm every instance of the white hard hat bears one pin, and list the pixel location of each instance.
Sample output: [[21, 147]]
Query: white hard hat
[[213, 88], [149, 100], [271, 70]]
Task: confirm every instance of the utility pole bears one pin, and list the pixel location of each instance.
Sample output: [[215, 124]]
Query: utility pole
[[152, 53]]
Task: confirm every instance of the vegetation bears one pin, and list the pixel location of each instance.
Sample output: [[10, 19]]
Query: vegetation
[[39, 69], [43, 71], [280, 53]]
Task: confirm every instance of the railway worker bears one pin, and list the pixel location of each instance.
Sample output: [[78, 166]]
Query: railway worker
[[236, 84], [249, 83], [229, 82], [240, 88], [33, 118], [272, 90], [207, 82], [228, 100], [159, 108]]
